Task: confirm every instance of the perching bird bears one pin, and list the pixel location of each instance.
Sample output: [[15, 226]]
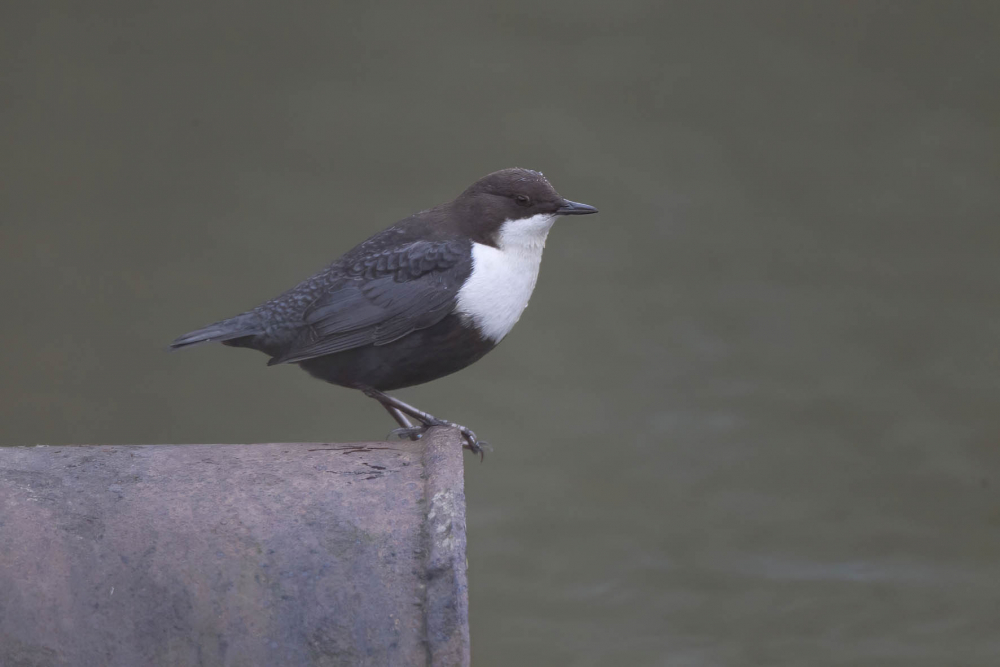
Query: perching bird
[[418, 301]]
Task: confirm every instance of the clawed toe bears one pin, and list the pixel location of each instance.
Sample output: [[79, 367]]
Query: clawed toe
[[472, 443], [413, 433]]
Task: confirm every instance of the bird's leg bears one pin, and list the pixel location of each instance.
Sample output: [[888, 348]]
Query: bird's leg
[[406, 428], [428, 420]]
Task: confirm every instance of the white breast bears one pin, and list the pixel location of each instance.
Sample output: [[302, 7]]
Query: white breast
[[503, 278]]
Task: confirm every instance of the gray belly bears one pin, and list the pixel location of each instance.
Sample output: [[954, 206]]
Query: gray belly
[[416, 358]]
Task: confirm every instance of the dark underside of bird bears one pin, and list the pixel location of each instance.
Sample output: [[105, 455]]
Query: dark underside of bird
[[418, 301]]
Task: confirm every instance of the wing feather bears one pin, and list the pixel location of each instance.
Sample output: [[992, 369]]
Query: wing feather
[[382, 298]]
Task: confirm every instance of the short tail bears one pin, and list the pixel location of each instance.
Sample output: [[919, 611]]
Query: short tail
[[236, 327]]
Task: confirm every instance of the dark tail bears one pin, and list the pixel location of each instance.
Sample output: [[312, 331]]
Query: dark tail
[[235, 327]]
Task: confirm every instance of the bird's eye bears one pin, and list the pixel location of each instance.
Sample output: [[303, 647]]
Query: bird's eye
[[524, 200]]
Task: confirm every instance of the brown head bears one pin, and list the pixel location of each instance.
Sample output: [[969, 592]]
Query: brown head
[[509, 198]]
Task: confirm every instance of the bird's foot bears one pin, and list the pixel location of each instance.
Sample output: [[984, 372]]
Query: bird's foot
[[400, 411], [472, 443]]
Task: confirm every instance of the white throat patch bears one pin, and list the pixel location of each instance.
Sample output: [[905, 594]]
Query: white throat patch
[[503, 278]]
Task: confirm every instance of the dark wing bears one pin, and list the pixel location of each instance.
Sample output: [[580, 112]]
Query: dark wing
[[382, 297]]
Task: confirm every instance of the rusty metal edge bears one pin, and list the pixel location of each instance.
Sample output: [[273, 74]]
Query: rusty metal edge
[[446, 602]]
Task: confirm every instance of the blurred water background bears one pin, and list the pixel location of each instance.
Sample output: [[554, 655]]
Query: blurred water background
[[751, 416]]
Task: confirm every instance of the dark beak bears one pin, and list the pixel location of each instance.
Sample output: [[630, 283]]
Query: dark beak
[[574, 208]]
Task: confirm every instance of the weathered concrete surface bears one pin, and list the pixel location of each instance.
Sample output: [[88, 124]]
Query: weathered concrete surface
[[276, 554]]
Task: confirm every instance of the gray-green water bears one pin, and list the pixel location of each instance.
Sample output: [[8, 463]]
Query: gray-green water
[[751, 416]]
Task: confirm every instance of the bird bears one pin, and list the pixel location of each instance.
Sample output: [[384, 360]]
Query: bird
[[420, 300]]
